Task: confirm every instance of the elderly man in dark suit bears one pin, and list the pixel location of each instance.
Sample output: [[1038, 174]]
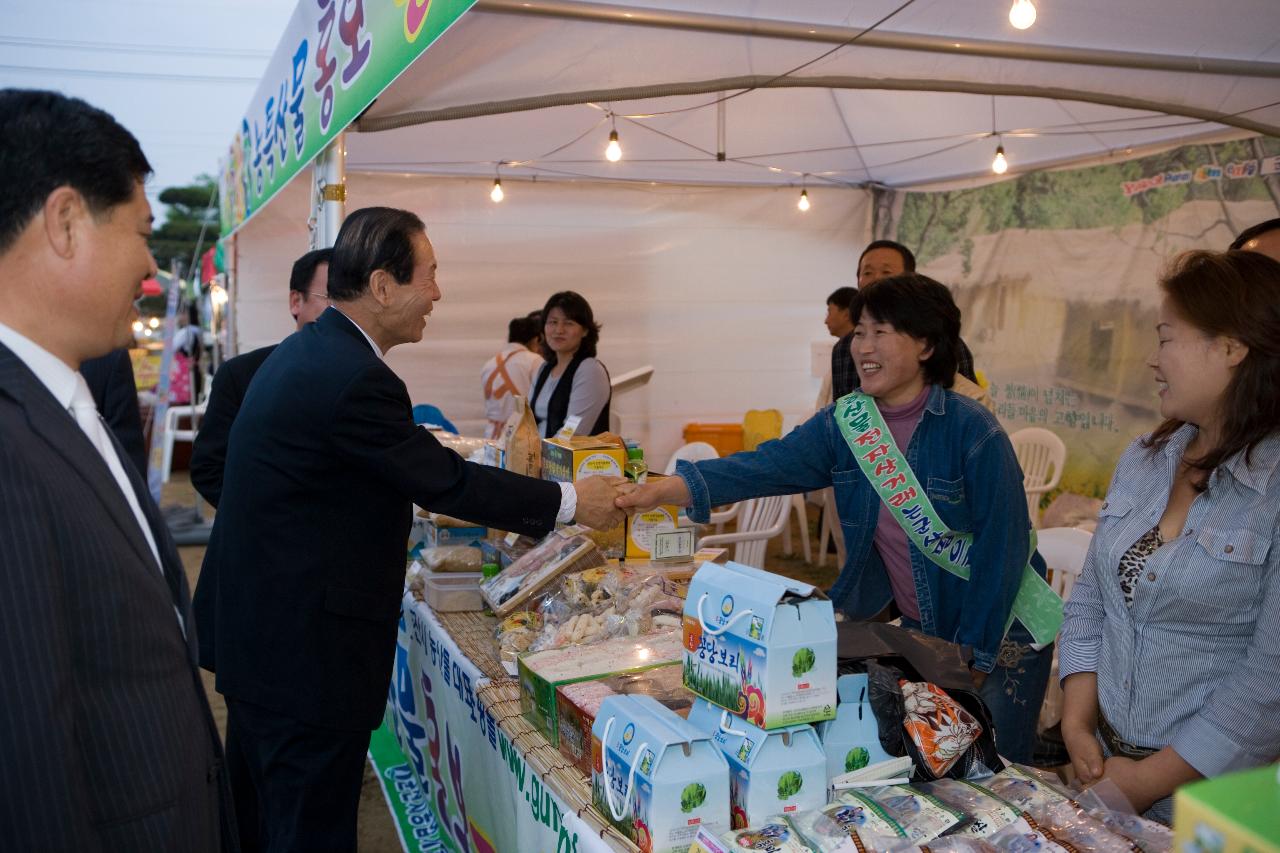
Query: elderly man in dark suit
[[306, 563], [106, 738]]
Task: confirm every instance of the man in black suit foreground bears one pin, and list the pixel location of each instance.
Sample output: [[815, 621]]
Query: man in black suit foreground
[[106, 738], [306, 563], [307, 299]]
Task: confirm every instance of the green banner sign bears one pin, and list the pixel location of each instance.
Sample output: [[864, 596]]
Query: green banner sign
[[335, 57]]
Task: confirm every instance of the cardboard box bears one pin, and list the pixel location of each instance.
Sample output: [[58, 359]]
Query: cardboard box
[[541, 673], [852, 740], [657, 779], [578, 704], [572, 459], [783, 771], [760, 645], [1235, 813]]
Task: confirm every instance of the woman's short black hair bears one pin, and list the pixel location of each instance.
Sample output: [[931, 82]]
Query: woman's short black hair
[[372, 238], [922, 308], [577, 309]]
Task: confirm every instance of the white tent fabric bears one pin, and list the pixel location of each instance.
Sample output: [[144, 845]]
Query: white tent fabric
[[722, 289], [921, 100]]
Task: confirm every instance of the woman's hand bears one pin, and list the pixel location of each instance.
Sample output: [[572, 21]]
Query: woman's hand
[[667, 490], [1080, 725], [1133, 780]]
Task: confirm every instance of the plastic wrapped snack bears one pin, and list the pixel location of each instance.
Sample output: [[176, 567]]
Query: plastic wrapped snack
[[1022, 837], [986, 813], [602, 603], [415, 579], [775, 835], [920, 816], [451, 558], [1022, 788], [1068, 822], [517, 632], [560, 552], [875, 830]]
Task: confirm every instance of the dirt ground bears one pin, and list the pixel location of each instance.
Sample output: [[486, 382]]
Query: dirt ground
[[376, 830]]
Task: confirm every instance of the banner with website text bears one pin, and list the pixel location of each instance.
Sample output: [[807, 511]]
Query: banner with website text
[[475, 792], [334, 58], [1057, 273]]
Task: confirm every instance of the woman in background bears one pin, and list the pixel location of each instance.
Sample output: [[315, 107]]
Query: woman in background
[[1170, 652], [573, 383]]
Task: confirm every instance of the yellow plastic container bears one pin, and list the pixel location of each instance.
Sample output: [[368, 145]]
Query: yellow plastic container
[[725, 438]]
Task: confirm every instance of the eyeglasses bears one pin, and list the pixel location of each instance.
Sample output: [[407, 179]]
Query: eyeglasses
[[318, 293]]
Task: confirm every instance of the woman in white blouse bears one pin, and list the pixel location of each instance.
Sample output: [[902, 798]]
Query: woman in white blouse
[[573, 383], [1170, 652]]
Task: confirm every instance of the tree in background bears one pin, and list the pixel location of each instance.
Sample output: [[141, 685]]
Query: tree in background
[[190, 208]]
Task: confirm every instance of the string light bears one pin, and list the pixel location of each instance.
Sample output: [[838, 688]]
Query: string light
[[496, 193], [803, 203], [154, 322], [1022, 14], [613, 151], [137, 326], [999, 165]]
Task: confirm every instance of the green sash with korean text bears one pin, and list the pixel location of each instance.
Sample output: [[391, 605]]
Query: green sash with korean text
[[1036, 605]]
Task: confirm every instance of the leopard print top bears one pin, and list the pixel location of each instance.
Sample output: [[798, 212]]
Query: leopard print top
[[1135, 559]]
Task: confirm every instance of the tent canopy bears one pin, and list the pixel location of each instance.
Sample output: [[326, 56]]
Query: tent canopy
[[803, 92]]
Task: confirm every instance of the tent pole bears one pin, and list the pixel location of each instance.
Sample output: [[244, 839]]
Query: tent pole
[[373, 124], [329, 192], [764, 28]]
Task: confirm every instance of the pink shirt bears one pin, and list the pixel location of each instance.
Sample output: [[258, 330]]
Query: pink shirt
[[890, 540]]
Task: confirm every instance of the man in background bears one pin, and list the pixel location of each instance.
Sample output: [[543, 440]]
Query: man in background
[[839, 322], [511, 371], [307, 299], [1263, 238], [106, 735], [883, 259]]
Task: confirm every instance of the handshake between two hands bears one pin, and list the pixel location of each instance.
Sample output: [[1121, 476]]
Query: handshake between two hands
[[603, 502]]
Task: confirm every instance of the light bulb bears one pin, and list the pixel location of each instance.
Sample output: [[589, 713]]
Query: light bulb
[[154, 323], [999, 165], [146, 332], [803, 204], [137, 326], [496, 193], [613, 151], [1022, 14]]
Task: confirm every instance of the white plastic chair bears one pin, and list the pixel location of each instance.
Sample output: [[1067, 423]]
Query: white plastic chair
[[759, 520], [802, 519], [1041, 455], [172, 434], [1064, 550], [831, 530], [694, 451]]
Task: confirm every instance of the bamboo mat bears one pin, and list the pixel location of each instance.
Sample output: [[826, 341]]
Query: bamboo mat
[[502, 697], [473, 632]]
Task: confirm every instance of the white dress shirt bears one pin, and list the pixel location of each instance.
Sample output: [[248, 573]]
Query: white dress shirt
[[61, 381]]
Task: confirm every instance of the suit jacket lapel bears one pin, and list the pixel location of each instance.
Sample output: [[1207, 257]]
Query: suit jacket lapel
[[60, 431]]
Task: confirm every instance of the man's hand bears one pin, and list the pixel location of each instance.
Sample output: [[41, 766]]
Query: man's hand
[[596, 496], [668, 490]]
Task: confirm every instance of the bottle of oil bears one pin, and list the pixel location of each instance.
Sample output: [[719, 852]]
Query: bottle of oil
[[635, 470]]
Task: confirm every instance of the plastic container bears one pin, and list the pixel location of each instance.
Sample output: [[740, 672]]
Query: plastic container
[[454, 591], [725, 438]]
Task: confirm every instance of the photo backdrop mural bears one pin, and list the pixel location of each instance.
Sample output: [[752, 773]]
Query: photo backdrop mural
[[1057, 273]]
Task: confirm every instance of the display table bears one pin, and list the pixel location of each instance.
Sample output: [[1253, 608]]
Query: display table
[[491, 782]]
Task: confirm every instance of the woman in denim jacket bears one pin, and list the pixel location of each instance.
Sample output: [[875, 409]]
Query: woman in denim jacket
[[904, 347], [1170, 653]]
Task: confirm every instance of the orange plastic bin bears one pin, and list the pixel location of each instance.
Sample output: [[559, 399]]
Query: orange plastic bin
[[725, 438]]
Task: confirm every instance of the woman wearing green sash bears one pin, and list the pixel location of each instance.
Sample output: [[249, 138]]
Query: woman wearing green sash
[[931, 506]]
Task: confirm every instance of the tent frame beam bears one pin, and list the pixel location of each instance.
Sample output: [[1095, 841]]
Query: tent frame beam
[[372, 124], [580, 10]]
